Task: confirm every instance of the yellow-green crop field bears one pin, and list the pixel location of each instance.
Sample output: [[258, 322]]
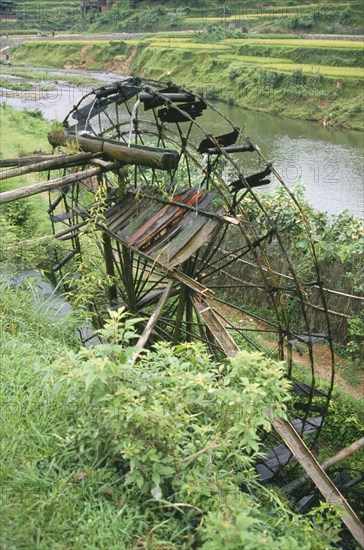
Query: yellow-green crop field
[[229, 18], [188, 45], [299, 42], [39, 43], [265, 61], [326, 70], [227, 51]]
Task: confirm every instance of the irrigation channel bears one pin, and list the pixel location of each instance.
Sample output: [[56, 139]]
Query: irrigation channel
[[328, 161]]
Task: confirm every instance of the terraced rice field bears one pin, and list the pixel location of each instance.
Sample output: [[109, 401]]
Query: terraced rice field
[[299, 42], [228, 50]]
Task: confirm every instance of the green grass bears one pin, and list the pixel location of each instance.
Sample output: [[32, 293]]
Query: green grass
[[58, 54], [22, 131], [296, 16], [190, 46], [49, 498], [237, 65]]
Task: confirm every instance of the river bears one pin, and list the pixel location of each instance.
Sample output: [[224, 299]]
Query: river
[[328, 161]]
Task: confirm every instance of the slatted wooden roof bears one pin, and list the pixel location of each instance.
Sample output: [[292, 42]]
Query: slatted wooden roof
[[168, 231]]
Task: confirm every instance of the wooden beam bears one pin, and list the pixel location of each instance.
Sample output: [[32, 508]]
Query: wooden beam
[[216, 327], [24, 161], [289, 435], [324, 484], [153, 320], [36, 188]]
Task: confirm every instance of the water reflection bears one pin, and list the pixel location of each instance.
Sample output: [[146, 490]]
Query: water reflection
[[328, 161]]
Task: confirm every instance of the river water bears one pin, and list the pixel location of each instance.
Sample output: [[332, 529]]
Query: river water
[[328, 161]]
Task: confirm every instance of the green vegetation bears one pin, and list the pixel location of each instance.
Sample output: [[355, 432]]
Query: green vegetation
[[69, 54], [255, 73], [98, 454], [21, 131], [41, 15], [24, 225], [338, 242], [236, 16], [261, 74], [284, 16]]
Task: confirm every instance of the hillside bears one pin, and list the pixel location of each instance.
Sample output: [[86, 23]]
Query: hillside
[[318, 80], [343, 17]]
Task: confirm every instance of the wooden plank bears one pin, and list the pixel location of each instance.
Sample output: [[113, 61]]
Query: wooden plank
[[204, 201], [121, 216], [188, 227], [201, 237], [153, 320], [280, 456], [159, 221], [324, 484], [332, 461], [215, 326], [138, 220]]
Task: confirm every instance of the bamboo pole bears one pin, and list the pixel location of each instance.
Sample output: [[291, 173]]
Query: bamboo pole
[[51, 164], [329, 290], [328, 463], [24, 161], [36, 188]]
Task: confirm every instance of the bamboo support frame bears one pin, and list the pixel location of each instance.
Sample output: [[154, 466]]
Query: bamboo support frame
[[328, 463], [62, 161], [36, 188]]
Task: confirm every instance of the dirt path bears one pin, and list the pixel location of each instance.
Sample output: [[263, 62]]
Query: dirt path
[[321, 353]]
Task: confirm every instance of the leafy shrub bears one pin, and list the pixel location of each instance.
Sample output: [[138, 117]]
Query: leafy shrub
[[356, 343], [68, 456], [17, 213], [301, 22], [346, 16], [271, 79], [183, 433], [298, 77]]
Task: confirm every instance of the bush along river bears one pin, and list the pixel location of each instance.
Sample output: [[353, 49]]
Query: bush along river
[[327, 161]]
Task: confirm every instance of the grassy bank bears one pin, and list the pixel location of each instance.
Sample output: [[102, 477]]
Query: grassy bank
[[98, 455], [275, 76], [307, 79], [24, 132]]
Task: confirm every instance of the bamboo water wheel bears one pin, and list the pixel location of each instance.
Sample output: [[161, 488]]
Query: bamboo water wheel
[[185, 239], [184, 236]]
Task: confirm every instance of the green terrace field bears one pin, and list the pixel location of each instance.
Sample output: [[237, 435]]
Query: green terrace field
[[300, 78], [311, 56], [69, 53], [296, 77]]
